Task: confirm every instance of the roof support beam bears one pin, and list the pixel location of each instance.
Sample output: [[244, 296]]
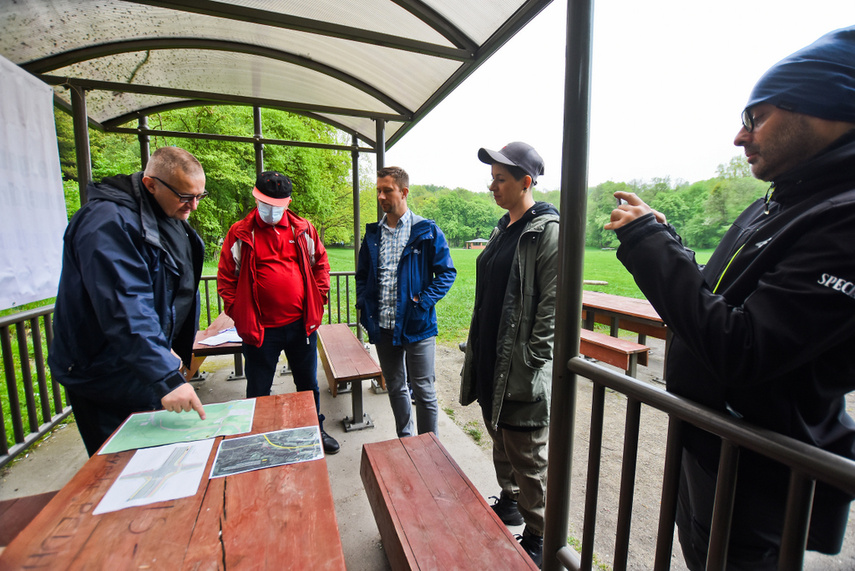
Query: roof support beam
[[438, 22], [232, 139], [57, 61], [294, 106], [279, 20]]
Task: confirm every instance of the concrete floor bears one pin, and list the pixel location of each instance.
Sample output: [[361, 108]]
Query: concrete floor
[[53, 462]]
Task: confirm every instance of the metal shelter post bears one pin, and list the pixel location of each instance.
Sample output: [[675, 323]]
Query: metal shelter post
[[144, 139], [80, 121], [571, 248], [354, 165], [380, 147], [259, 146]]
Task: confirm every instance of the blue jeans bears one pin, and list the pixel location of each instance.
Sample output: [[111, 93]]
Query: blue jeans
[[416, 361], [302, 355]]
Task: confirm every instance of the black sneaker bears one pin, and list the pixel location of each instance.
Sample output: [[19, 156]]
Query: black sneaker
[[507, 510], [533, 545], [331, 445]]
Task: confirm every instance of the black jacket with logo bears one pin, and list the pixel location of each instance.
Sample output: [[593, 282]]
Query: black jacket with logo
[[766, 330]]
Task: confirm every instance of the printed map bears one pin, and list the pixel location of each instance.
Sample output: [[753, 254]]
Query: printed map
[[156, 428], [236, 455]]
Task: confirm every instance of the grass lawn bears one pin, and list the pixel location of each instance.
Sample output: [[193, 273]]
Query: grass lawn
[[455, 310]]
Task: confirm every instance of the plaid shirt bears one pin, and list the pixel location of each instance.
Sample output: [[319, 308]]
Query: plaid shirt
[[392, 242]]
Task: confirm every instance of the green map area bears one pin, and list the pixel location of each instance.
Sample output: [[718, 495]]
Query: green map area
[[156, 428]]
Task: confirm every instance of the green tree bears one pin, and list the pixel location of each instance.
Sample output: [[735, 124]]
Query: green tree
[[601, 202], [737, 167]]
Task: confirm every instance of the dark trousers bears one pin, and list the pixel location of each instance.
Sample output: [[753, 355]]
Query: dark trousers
[[97, 420], [302, 355]]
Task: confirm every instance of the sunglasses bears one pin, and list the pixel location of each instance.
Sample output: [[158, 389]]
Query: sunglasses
[[182, 198]]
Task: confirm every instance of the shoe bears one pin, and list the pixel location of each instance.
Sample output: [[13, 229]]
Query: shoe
[[533, 545], [507, 510], [331, 445]]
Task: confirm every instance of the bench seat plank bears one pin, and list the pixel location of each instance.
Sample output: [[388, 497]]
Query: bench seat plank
[[429, 514], [343, 356], [612, 350], [16, 513]]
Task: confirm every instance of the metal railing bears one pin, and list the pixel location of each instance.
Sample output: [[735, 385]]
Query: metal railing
[[807, 464], [342, 292], [37, 404]]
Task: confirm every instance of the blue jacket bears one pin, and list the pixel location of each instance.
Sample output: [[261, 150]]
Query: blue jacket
[[425, 269], [114, 318]]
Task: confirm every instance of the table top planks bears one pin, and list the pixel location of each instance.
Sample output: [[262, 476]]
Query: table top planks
[[625, 306], [281, 517]]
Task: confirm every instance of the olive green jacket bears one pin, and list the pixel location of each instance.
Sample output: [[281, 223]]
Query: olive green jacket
[[523, 373]]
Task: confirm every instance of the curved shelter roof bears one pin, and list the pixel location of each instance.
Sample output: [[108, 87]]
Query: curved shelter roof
[[345, 62]]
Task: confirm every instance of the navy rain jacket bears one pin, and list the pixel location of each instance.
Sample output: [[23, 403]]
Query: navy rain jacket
[[114, 320]]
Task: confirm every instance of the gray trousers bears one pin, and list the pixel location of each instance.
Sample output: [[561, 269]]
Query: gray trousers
[[416, 362], [520, 459]]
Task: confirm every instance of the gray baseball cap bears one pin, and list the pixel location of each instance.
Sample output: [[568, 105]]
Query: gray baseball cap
[[515, 154]]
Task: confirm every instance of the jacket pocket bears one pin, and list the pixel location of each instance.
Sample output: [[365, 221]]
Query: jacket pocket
[[418, 319], [527, 381]]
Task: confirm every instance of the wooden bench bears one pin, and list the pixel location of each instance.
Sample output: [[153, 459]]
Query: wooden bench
[[16, 513], [618, 352], [429, 514], [345, 359]]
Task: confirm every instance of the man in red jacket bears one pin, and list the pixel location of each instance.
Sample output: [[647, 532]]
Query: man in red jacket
[[274, 278]]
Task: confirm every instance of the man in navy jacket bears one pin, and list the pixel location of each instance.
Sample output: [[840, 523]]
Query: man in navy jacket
[[127, 308], [404, 269], [765, 331]]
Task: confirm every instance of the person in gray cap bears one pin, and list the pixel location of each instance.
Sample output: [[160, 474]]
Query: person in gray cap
[[274, 278], [766, 330], [508, 363]]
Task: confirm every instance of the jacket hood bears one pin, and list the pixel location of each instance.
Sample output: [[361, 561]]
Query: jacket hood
[[124, 189], [128, 191], [535, 217]]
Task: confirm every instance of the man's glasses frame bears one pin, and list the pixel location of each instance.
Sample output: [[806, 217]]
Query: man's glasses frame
[[182, 198], [748, 119]]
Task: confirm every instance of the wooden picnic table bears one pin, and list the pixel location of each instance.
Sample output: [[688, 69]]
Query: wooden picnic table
[[275, 518], [201, 351], [628, 313]]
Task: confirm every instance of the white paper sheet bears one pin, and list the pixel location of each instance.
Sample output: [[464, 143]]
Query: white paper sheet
[[158, 475], [224, 336]]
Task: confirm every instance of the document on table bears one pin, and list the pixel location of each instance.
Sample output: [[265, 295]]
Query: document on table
[[158, 475], [225, 336], [247, 453], [158, 427]]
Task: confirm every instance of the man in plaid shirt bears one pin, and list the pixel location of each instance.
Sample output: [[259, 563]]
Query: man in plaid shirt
[[404, 269]]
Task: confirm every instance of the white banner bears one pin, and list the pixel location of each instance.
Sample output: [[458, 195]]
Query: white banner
[[32, 204]]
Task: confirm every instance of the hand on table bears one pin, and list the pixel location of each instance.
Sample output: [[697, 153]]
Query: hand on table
[[183, 398], [632, 209]]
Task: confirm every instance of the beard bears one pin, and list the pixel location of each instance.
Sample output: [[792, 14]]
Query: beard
[[794, 143]]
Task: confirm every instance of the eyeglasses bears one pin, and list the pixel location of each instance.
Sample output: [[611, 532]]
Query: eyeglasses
[[182, 198], [748, 119]]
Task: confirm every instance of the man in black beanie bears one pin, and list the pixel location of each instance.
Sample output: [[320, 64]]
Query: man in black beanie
[[765, 331]]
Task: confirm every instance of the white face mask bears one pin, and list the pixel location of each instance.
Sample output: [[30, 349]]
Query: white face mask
[[269, 213]]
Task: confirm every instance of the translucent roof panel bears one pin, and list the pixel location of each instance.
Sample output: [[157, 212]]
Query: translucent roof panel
[[352, 61]]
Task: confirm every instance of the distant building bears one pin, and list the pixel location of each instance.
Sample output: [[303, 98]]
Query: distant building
[[476, 244]]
